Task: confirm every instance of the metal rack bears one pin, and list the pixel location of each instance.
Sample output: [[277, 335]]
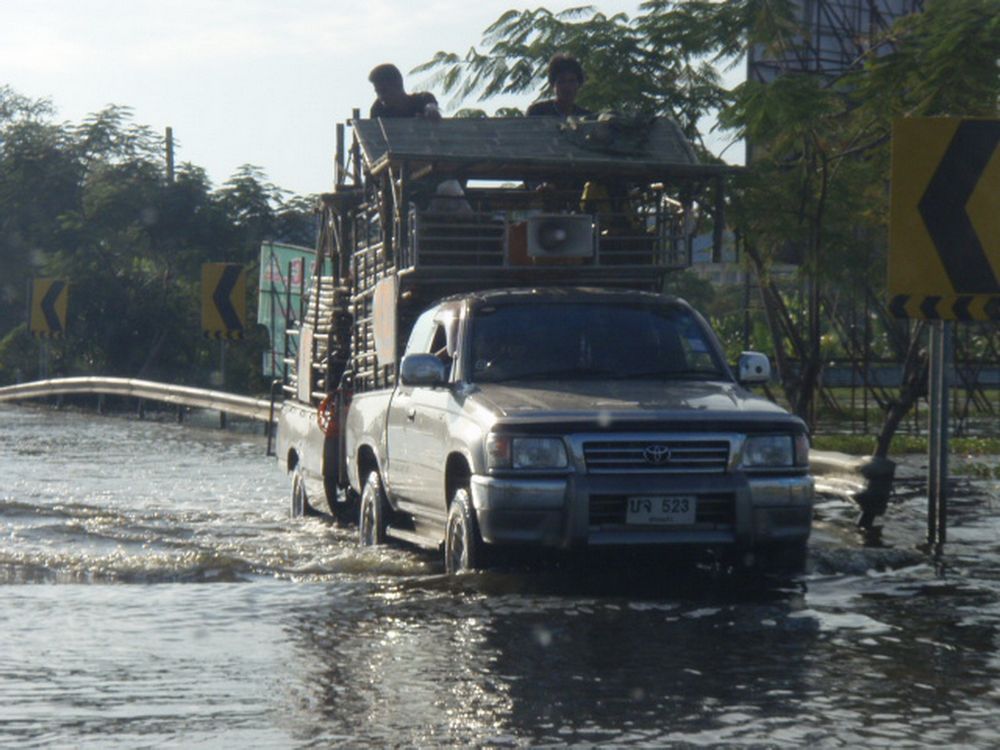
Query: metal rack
[[385, 221]]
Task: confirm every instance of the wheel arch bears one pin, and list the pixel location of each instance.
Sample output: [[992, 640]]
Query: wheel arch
[[367, 463], [457, 473]]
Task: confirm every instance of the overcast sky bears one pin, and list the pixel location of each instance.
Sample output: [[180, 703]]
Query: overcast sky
[[240, 82]]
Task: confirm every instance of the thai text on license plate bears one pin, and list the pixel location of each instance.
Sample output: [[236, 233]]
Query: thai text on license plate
[[666, 510]]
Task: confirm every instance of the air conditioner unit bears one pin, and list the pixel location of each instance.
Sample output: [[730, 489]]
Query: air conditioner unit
[[560, 236]]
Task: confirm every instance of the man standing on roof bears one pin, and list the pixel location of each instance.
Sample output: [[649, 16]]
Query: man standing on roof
[[565, 79], [393, 101]]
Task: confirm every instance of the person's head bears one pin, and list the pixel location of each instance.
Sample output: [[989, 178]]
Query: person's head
[[565, 77], [388, 83]]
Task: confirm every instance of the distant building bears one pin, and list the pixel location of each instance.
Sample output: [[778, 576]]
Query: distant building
[[837, 34]]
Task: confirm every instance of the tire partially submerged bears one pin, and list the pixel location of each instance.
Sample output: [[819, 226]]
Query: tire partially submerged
[[300, 498], [463, 548], [372, 512]]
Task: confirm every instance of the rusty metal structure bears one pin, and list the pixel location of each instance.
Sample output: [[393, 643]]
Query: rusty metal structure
[[423, 209]]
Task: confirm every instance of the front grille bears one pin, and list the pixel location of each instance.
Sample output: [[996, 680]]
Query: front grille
[[717, 510], [656, 456]]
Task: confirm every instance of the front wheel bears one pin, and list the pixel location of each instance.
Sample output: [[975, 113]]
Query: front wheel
[[372, 514], [463, 549], [786, 557]]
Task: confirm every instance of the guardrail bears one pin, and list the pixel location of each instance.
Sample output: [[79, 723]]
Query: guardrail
[[868, 481], [257, 409]]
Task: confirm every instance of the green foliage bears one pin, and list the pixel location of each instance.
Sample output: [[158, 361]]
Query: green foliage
[[470, 113], [864, 445], [816, 189], [944, 63], [977, 469], [18, 356], [91, 203], [692, 288], [822, 145], [628, 66]]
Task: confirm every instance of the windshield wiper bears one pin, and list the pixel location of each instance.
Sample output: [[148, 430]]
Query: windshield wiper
[[672, 375], [568, 373]]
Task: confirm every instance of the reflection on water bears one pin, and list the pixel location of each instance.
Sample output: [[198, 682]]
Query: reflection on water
[[472, 668], [294, 637]]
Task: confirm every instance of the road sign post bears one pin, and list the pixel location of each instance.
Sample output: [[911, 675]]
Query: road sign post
[[944, 256], [47, 309], [223, 300], [47, 316], [43, 360], [940, 355], [223, 309]]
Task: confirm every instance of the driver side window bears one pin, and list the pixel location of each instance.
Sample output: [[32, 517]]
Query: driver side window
[[439, 343], [421, 334]]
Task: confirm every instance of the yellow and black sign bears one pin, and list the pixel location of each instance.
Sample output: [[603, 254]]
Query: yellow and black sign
[[223, 300], [944, 234], [49, 298]]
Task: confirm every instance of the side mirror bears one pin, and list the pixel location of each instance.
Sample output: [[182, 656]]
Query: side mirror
[[422, 369], [753, 367]]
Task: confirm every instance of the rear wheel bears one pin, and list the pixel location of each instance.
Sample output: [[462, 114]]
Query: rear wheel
[[373, 513], [463, 548], [300, 499]]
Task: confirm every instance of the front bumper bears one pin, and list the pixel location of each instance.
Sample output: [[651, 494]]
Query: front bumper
[[735, 510]]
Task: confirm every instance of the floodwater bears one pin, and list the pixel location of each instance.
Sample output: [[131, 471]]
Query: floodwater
[[154, 593]]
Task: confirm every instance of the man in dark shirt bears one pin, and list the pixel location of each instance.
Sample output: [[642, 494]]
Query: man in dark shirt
[[565, 79], [393, 101]]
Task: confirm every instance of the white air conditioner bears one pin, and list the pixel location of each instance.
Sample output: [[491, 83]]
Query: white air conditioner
[[560, 236]]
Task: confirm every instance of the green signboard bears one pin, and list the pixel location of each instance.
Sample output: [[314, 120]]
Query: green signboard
[[285, 272]]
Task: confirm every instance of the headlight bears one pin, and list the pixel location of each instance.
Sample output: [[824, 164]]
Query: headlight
[[505, 452], [802, 449], [768, 451]]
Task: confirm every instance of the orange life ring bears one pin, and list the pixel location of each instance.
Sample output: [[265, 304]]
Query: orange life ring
[[326, 415]]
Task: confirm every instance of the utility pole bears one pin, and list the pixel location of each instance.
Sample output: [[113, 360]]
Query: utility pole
[[170, 154]]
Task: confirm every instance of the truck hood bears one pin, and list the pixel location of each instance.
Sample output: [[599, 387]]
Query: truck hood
[[626, 401]]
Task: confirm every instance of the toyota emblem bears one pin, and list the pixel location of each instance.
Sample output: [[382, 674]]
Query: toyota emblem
[[657, 454]]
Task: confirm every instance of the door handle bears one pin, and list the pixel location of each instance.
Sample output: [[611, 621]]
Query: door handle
[[411, 414]]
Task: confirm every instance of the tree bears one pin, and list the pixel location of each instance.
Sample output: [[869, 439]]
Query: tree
[[628, 67], [823, 167], [91, 203], [37, 175], [818, 186], [944, 62]]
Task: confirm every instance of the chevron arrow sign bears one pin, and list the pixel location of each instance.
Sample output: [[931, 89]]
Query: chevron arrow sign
[[944, 233], [961, 307], [48, 308], [223, 300]]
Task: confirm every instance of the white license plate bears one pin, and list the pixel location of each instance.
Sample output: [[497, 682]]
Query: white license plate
[[663, 510]]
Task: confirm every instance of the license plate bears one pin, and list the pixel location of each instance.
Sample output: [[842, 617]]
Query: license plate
[[663, 510]]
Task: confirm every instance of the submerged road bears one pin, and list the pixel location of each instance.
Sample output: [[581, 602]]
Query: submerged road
[[154, 591]]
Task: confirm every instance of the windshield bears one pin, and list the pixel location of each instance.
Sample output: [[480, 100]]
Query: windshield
[[594, 340]]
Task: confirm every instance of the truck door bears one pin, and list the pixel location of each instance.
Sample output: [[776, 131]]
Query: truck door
[[399, 464], [425, 430]]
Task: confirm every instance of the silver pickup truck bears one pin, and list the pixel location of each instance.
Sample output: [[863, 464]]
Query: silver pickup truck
[[572, 418]]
